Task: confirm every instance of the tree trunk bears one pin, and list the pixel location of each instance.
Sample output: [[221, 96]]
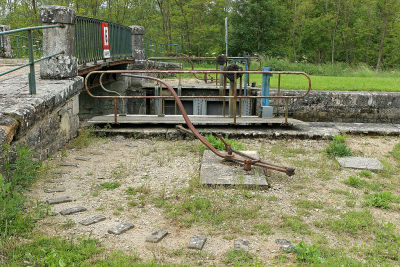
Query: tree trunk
[[385, 23]]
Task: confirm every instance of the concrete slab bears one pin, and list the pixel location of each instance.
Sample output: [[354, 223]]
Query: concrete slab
[[72, 210], [217, 171], [92, 220], [156, 236], [121, 228], [360, 163], [197, 242]]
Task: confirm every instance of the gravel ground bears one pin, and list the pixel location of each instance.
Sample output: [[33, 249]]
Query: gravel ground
[[166, 167]]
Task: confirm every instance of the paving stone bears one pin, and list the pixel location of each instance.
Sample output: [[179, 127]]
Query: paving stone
[[360, 163], [241, 244], [82, 158], [58, 180], [92, 220], [131, 145], [72, 210], [58, 200], [197, 242], [55, 190], [69, 164], [121, 228], [286, 245], [97, 153], [156, 236], [61, 172], [216, 171]]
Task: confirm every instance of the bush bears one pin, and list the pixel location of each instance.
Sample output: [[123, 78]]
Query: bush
[[338, 147]]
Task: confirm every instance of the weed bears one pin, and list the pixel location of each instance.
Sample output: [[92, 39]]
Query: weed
[[352, 222], [338, 147], [354, 182], [239, 258], [110, 185], [365, 173], [263, 228], [308, 204], [217, 143], [396, 152], [95, 193], [273, 198], [380, 200], [85, 138], [131, 191], [68, 224], [295, 224], [309, 254]]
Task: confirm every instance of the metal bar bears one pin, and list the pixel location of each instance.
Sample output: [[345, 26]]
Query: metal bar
[[32, 81], [27, 64], [32, 28]]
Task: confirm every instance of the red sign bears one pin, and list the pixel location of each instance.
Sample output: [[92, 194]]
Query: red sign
[[106, 35]]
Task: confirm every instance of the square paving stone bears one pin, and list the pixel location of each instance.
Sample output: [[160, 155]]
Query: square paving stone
[[197, 242], [121, 228], [82, 158], [58, 200], [156, 236], [92, 220], [72, 210], [360, 163], [217, 171], [241, 244], [55, 190]]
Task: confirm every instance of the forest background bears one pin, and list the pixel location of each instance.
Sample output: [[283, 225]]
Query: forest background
[[355, 32]]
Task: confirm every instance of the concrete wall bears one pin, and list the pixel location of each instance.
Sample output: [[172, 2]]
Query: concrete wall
[[44, 122], [335, 106]]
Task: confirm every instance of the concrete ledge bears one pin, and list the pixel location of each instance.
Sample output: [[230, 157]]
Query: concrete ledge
[[44, 121], [344, 106]]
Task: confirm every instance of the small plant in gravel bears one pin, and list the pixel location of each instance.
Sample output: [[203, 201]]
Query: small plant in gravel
[[263, 228], [217, 143], [396, 152], [110, 185], [365, 173], [380, 200], [338, 147], [354, 182]]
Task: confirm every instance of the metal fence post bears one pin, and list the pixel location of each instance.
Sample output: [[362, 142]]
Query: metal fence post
[[32, 81]]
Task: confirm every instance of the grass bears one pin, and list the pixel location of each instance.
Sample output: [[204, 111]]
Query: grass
[[239, 258], [217, 143], [338, 147], [110, 185]]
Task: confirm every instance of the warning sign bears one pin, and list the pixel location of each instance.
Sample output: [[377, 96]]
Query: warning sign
[[106, 39]]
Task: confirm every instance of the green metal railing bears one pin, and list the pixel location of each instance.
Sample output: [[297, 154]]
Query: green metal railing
[[31, 64], [89, 44], [20, 46]]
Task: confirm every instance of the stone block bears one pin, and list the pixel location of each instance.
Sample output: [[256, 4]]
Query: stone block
[[156, 236], [72, 210], [55, 190], [93, 220], [360, 163], [68, 164], [121, 228], [286, 245], [82, 158], [217, 171], [58, 200], [57, 14], [197, 242], [241, 244]]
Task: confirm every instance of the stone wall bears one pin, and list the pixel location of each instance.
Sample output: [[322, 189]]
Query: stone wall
[[336, 106], [44, 122]]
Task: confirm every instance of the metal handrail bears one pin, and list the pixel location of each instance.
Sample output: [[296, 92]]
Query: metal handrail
[[88, 40], [31, 77], [235, 97]]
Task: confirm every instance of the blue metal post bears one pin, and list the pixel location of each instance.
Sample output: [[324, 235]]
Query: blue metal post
[[265, 86], [245, 76]]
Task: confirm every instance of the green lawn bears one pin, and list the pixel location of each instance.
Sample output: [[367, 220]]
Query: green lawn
[[382, 84]]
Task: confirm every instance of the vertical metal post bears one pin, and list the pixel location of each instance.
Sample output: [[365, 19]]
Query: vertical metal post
[[17, 47], [224, 94], [234, 98], [245, 76], [226, 36], [265, 87], [32, 81]]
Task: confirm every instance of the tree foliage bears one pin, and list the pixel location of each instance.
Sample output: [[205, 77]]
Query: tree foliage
[[318, 31]]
